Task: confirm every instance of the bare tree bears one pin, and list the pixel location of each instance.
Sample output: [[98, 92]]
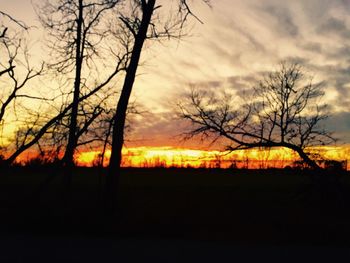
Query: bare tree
[[76, 28], [142, 20], [48, 126], [16, 71], [63, 38], [285, 112], [10, 49]]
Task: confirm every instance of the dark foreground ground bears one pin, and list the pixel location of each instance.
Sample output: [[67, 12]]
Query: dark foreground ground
[[176, 215]]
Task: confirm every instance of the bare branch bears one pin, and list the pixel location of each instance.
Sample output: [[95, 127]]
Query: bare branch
[[284, 113], [18, 22]]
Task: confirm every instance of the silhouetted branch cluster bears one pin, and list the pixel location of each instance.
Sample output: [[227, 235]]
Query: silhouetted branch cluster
[[83, 37], [284, 112], [62, 22], [168, 23], [4, 28], [55, 126], [16, 72]]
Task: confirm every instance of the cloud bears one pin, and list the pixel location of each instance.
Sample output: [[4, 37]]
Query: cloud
[[156, 129], [239, 43], [334, 27], [336, 81], [339, 123], [284, 20], [310, 46]]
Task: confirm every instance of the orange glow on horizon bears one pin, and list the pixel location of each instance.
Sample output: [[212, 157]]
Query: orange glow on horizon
[[179, 157]]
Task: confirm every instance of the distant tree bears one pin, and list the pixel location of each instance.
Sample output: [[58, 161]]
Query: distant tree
[[141, 20], [285, 111]]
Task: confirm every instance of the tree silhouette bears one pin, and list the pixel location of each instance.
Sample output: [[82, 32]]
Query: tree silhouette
[[141, 20], [16, 71], [48, 125], [284, 112], [76, 32]]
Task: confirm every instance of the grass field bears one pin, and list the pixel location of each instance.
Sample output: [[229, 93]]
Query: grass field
[[232, 206]]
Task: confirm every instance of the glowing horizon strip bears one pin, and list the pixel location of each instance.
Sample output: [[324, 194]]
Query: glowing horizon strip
[[173, 156]]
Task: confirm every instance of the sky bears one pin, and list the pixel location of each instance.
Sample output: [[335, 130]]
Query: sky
[[238, 42]]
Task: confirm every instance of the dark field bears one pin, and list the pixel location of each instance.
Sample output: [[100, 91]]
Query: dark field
[[246, 208]]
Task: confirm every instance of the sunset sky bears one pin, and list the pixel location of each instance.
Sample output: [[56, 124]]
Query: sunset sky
[[238, 42]]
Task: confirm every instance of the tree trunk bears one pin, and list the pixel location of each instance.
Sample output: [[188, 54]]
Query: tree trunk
[[51, 122], [311, 163], [112, 179], [68, 159]]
